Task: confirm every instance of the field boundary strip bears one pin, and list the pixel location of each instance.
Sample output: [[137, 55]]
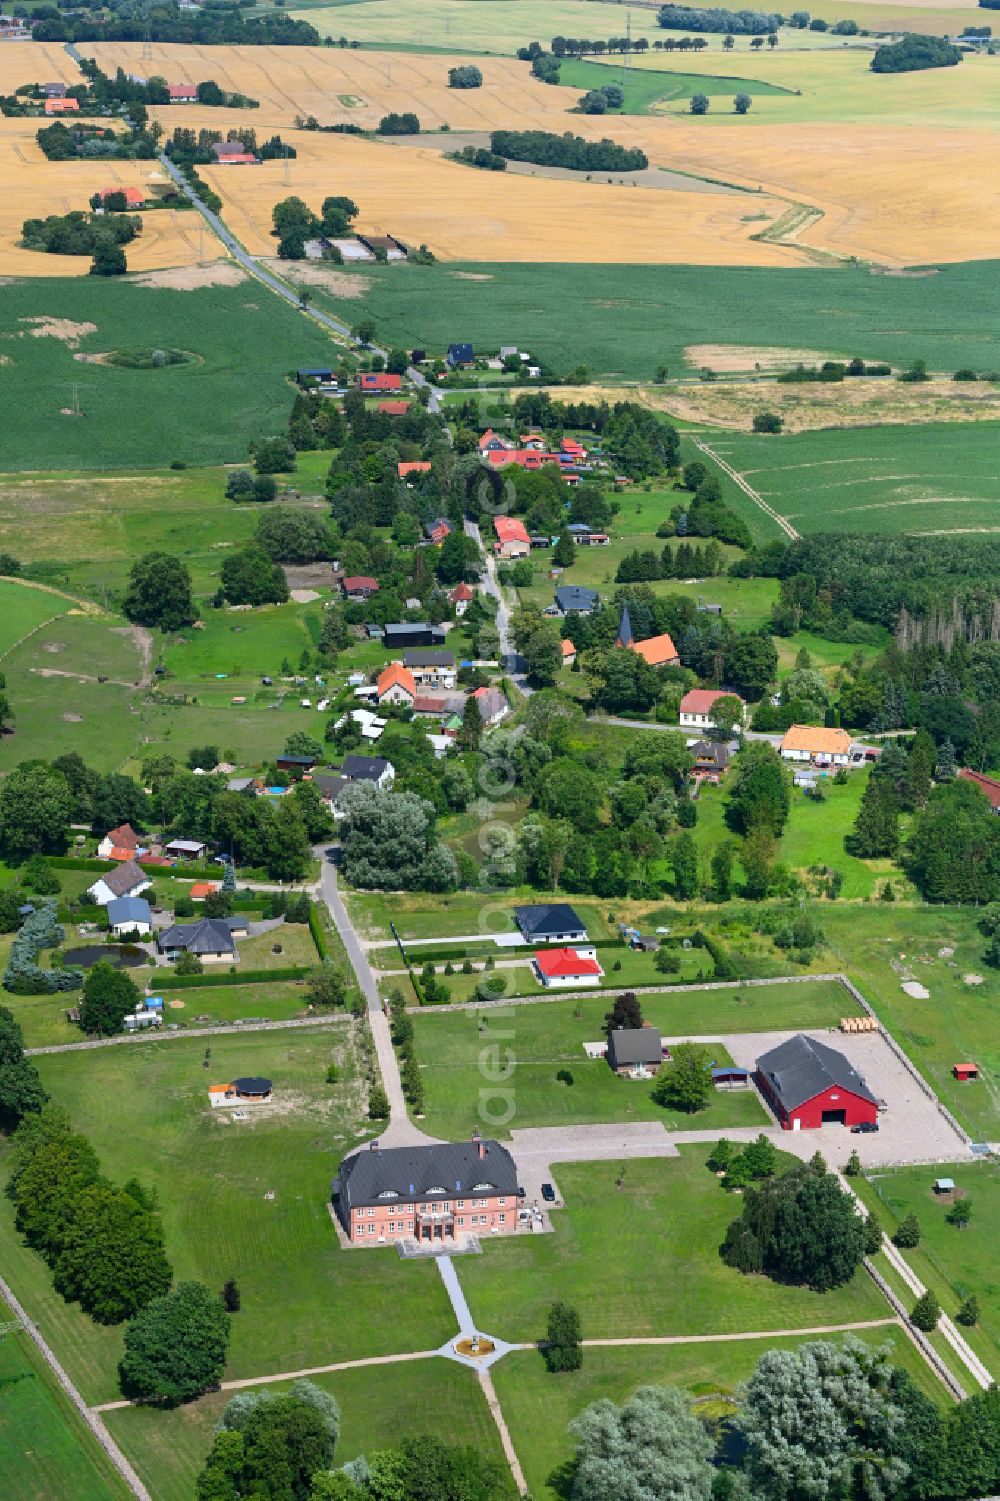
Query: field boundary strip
[[755, 495]]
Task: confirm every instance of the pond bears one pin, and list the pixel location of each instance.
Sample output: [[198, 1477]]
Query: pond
[[121, 955]]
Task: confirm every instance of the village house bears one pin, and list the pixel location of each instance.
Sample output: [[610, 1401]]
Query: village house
[[359, 587], [395, 685], [129, 917], [492, 442], [321, 376], [127, 879], [368, 769], [696, 707], [566, 967], [808, 1084], [460, 356], [134, 197], [211, 939], [573, 599], [461, 598], [229, 153], [121, 843], [183, 93], [711, 759], [431, 669], [379, 380], [810, 742], [550, 922], [67, 106], [493, 706], [658, 651], [635, 1051], [512, 538], [406, 467], [54, 90], [330, 788], [434, 1194], [436, 531], [525, 458]]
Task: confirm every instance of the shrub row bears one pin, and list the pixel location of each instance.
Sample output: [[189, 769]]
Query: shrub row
[[242, 977]]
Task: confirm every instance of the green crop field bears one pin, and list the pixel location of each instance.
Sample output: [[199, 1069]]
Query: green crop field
[[245, 340], [48, 1453], [935, 478], [305, 1301], [539, 1407], [647, 87], [378, 1408], [659, 1223], [627, 320]]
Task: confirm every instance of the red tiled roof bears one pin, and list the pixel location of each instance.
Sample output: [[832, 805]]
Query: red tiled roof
[[568, 649], [134, 197], [700, 700], [658, 651], [394, 409], [509, 529], [561, 963], [65, 106], [988, 785], [182, 90], [393, 674], [407, 466], [359, 581], [124, 837], [379, 380], [459, 593], [201, 889]]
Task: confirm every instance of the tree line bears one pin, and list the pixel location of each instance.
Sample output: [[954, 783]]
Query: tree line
[[208, 26], [550, 150], [735, 22]]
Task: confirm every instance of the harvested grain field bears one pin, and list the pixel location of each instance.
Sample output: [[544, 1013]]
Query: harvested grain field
[[463, 214], [32, 188], [851, 403]]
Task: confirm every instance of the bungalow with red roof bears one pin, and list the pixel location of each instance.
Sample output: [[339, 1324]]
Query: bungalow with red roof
[[134, 197], [396, 685], [231, 152], [556, 968], [461, 598], [359, 587], [183, 93], [989, 786], [201, 889], [696, 707], [379, 380], [408, 466], [512, 538], [67, 106]]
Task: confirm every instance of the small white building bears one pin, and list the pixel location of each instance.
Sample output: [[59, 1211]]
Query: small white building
[[129, 916], [565, 968], [127, 879]]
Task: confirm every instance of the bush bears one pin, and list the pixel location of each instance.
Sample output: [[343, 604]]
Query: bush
[[926, 1313], [914, 53], [907, 1233], [767, 422]]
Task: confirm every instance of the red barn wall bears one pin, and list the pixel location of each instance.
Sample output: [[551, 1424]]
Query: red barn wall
[[810, 1114]]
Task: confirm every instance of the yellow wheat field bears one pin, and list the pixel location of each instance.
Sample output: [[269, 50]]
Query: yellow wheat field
[[31, 187]]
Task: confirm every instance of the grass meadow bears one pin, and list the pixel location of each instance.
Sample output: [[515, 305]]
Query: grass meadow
[[23, 609], [49, 1454], [626, 320], [659, 1223], [205, 412], [538, 1407], [545, 1039], [933, 478], [305, 1301], [646, 88], [378, 1408]]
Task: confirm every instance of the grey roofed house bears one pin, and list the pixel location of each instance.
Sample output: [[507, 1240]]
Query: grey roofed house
[[711, 753], [629, 1046], [211, 935], [124, 879], [364, 768], [428, 658], [803, 1067], [571, 597], [330, 787], [410, 1174], [550, 922], [492, 705], [124, 911]]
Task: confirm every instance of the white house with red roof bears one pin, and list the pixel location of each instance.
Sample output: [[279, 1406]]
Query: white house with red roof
[[183, 93], [120, 844], [696, 707], [512, 538], [492, 442], [396, 685], [461, 598], [568, 652], [566, 967]]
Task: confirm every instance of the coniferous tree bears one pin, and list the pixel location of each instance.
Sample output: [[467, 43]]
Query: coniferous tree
[[876, 829]]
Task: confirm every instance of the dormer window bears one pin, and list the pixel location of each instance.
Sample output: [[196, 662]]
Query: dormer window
[[388, 1193], [478, 1188], [435, 1190]]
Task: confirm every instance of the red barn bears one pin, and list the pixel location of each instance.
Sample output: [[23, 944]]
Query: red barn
[[808, 1084]]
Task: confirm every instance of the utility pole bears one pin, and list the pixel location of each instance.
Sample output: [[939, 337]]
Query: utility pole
[[627, 55], [75, 388], [286, 178]]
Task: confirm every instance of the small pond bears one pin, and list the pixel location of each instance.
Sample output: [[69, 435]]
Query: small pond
[[121, 955]]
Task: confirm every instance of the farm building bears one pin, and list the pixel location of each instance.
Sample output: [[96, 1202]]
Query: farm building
[[379, 380], [430, 1194], [512, 538], [412, 633], [636, 1051], [185, 849], [252, 1089], [321, 376], [550, 922], [129, 915], [696, 707], [127, 879], [658, 651], [301, 764], [387, 245], [808, 1084], [810, 742], [565, 967], [183, 93], [67, 106], [966, 1073], [134, 197]]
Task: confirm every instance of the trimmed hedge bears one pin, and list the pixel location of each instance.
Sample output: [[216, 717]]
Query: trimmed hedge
[[316, 929], [246, 977]]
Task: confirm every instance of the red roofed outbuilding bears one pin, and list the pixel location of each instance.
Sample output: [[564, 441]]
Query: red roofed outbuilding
[[359, 586]]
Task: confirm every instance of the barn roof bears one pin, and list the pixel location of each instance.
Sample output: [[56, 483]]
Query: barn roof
[[803, 1067]]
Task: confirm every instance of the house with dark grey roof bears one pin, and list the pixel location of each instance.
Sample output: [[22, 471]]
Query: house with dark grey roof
[[636, 1051], [550, 922], [127, 879], [129, 915], [431, 668], [435, 1194], [809, 1084], [211, 939], [368, 769], [574, 599]]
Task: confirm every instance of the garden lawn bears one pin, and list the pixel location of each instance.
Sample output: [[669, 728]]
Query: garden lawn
[[538, 1406], [458, 914], [378, 1407], [550, 1035], [958, 1023], [49, 1454], [305, 1301], [641, 1258]]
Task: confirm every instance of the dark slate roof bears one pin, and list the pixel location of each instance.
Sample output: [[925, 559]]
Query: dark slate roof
[[461, 352], [330, 787], [625, 635], [124, 879], [575, 597], [711, 750], [801, 1068], [539, 920], [428, 658], [634, 1045], [128, 909], [209, 936], [363, 768], [408, 1174], [253, 1084]]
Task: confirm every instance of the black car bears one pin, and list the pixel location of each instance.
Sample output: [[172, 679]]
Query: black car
[[864, 1128], [520, 1193], [548, 1193]]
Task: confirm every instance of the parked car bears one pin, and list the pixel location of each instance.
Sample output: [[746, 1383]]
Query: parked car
[[548, 1193], [520, 1192], [864, 1128]]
